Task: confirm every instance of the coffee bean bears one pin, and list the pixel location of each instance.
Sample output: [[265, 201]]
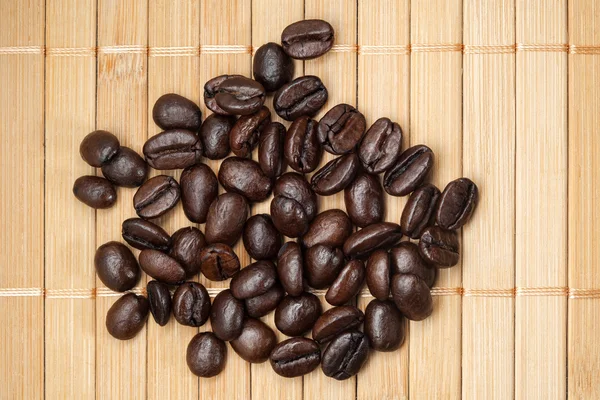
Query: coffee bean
[[384, 326], [289, 268], [256, 279], [410, 171], [439, 246], [335, 321], [214, 135], [336, 175], [381, 145], [270, 150], [304, 96], [272, 67], [294, 204], [156, 196], [226, 218], [301, 148], [126, 168], [199, 188], [322, 265], [412, 296], [457, 203], [161, 267], [244, 176], [345, 355], [418, 211], [218, 262], [330, 228], [378, 274], [127, 316], [370, 238], [206, 355], [116, 266], [341, 129], [347, 284], [227, 316], [245, 133], [191, 304], [296, 315], [364, 200], [187, 244], [159, 299], [98, 147], [256, 341], [405, 259], [295, 357], [95, 191], [261, 239], [307, 39], [263, 304], [173, 149], [142, 234], [172, 111], [211, 88], [295, 186], [239, 95]]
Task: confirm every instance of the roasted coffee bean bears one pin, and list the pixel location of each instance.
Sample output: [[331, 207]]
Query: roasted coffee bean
[[418, 211], [381, 145], [345, 355], [211, 88], [159, 299], [218, 262], [304, 96], [199, 188], [294, 204], [370, 238], [98, 147], [272, 68], [127, 316], [290, 265], [301, 149], [172, 111], [322, 265], [156, 196], [95, 191], [225, 220], [270, 150], [364, 200], [296, 315], [239, 95], [410, 171], [341, 129], [245, 133], [335, 321], [384, 325], [457, 204], [126, 168], [173, 149], [412, 296], [116, 266], [405, 259], [214, 134], [336, 175], [379, 274], [256, 279], [143, 234], [307, 39], [227, 316], [256, 341], [330, 228], [295, 357], [295, 186], [187, 245], [191, 304], [261, 239], [244, 176], [439, 246], [347, 284], [206, 355], [161, 267], [263, 304]]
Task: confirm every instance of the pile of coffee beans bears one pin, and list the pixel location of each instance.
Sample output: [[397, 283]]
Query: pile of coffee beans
[[326, 252]]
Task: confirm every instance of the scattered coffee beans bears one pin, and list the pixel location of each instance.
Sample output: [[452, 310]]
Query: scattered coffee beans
[[95, 191], [301, 148], [261, 239], [214, 135], [335, 321], [419, 210], [294, 205], [295, 357], [347, 284], [173, 149], [127, 316], [142, 234], [263, 304], [272, 67], [289, 268], [244, 135], [307, 39], [410, 171], [98, 148], [405, 259], [412, 296], [439, 246], [172, 111], [226, 218], [191, 304], [370, 238], [256, 341], [378, 274], [364, 200], [322, 265], [206, 355], [244, 176], [126, 168], [335, 175], [156, 196], [296, 315], [256, 279], [227, 316], [116, 266], [304, 96], [238, 95], [159, 298], [330, 228], [384, 325], [341, 129], [218, 262], [457, 204], [380, 148], [345, 355], [199, 187], [162, 267], [186, 246], [270, 150]]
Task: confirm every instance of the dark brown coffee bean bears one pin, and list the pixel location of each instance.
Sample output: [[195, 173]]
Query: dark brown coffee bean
[[239, 95], [227, 316], [244, 176], [116, 266], [304, 96], [142, 234], [347, 284], [187, 244], [301, 149], [457, 203], [214, 135], [161, 267], [412, 296], [263, 304], [95, 191], [418, 211], [156, 196], [159, 299], [296, 315], [295, 357], [270, 150], [364, 200], [261, 239], [345, 355], [336, 175], [330, 228], [172, 111], [206, 355], [405, 259], [370, 238], [173, 149], [272, 67], [127, 316], [290, 264], [256, 279], [439, 246], [381, 145], [410, 171], [294, 204], [244, 135], [226, 218], [379, 274], [256, 341], [218, 262], [191, 304], [322, 265], [384, 325], [98, 147], [199, 188], [335, 321], [341, 129], [211, 88], [126, 168], [307, 39]]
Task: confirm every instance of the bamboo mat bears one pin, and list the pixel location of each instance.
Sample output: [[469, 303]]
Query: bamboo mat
[[504, 91]]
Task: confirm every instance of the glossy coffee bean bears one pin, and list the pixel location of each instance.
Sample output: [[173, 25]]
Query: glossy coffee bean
[[226, 218], [156, 196], [95, 191], [301, 148], [345, 355], [341, 129], [295, 357], [347, 284], [211, 88], [127, 316], [161, 267], [409, 172], [304, 96], [336, 175], [307, 39], [227, 316], [142, 234], [187, 244], [384, 325], [256, 279], [381, 145], [159, 299], [256, 341], [173, 149], [419, 210], [364, 200], [295, 186], [261, 239], [98, 147], [116, 266], [199, 188], [370, 238], [218, 262], [457, 204], [379, 274], [439, 246], [270, 150], [294, 204], [172, 111], [239, 95], [405, 259], [206, 355], [214, 134], [126, 168], [244, 176], [263, 304], [191, 304], [335, 321], [412, 296], [330, 228], [290, 264], [296, 315], [245, 133], [322, 265], [271, 67]]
